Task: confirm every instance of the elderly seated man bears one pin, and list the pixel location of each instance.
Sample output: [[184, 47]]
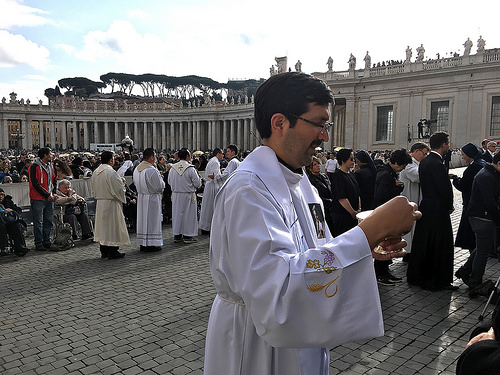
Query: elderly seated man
[[74, 209], [11, 228]]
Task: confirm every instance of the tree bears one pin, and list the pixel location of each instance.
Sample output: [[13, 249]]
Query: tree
[[77, 83], [52, 92]]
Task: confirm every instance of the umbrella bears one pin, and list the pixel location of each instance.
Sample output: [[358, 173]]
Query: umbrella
[[318, 149], [198, 153], [88, 154], [74, 153]]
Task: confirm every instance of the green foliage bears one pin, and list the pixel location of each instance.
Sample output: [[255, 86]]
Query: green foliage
[[52, 92], [156, 85]]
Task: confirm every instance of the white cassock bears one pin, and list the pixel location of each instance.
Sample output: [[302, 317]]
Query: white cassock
[[284, 296], [150, 185], [109, 190], [184, 180], [231, 167], [211, 188], [411, 180]]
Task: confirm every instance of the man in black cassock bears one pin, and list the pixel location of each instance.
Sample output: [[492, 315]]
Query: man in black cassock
[[431, 265]]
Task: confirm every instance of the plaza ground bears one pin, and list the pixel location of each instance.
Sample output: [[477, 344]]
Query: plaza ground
[[74, 313]]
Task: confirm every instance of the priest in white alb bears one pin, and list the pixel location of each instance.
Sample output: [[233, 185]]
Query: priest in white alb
[[286, 291], [212, 170], [149, 185], [184, 180], [234, 162]]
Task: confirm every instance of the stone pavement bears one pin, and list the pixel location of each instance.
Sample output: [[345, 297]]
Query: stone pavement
[[74, 313]]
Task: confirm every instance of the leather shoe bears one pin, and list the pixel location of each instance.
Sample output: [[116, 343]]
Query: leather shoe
[[116, 255], [451, 287], [21, 251], [463, 275]]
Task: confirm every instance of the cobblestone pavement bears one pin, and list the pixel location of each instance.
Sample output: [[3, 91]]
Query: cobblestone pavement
[[72, 312]]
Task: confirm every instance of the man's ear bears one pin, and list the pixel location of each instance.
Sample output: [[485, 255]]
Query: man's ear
[[278, 121]]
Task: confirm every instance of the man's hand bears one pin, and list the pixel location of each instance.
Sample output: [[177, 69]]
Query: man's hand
[[51, 198], [389, 222], [490, 335]]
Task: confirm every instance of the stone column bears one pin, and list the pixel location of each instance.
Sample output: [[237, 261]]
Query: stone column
[[29, 133], [52, 134], [231, 131], [5, 134], [41, 134], [239, 132], [106, 131], [136, 132], [190, 135], [198, 135], [163, 142], [147, 135], [86, 143], [182, 141], [76, 135], [215, 139], [125, 129], [246, 134], [172, 135], [224, 132], [118, 138], [64, 135], [155, 135]]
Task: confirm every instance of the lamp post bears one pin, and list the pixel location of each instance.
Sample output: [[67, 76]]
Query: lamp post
[[17, 136]]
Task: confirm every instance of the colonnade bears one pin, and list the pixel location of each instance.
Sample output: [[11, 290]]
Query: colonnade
[[196, 131]]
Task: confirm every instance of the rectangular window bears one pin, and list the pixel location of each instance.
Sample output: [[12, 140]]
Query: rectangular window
[[385, 118], [495, 116], [440, 112]]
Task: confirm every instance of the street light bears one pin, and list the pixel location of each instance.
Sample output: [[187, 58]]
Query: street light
[[17, 136]]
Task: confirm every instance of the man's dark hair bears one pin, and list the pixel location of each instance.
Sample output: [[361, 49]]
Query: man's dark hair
[[43, 151], [216, 151], [400, 157], [418, 146], [290, 94], [148, 153], [343, 155], [438, 139], [77, 161], [183, 153], [106, 156], [233, 148]]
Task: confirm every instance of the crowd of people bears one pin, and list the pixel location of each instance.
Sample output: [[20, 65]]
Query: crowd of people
[[276, 237]]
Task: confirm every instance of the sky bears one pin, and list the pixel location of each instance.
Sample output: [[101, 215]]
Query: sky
[[42, 41]]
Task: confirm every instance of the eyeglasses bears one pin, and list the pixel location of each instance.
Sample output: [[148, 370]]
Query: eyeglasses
[[324, 127]]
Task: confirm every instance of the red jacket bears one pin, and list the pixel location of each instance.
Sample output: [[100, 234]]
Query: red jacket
[[38, 180]]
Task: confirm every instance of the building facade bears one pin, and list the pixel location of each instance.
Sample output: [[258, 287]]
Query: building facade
[[376, 108]]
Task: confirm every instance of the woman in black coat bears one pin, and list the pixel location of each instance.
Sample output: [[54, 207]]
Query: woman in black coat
[[347, 202], [472, 155], [365, 176]]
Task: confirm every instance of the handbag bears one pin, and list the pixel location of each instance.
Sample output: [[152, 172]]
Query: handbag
[[76, 209], [8, 217]]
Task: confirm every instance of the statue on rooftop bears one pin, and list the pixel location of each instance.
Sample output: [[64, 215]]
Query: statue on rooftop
[[329, 63], [408, 54], [368, 61], [352, 62], [420, 53], [298, 66], [480, 44], [467, 47]]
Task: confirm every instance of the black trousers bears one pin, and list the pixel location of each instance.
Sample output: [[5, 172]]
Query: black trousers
[[12, 231]]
